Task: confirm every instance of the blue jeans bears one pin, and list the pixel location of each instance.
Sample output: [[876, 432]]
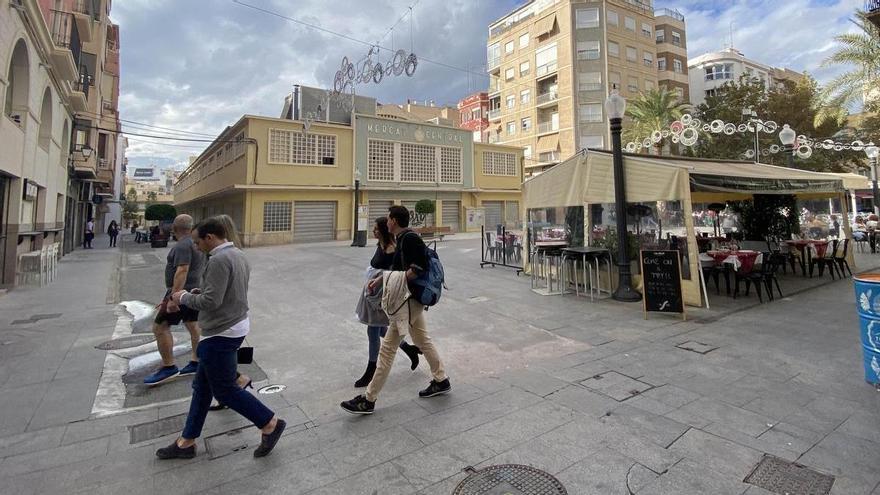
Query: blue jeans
[[218, 361]]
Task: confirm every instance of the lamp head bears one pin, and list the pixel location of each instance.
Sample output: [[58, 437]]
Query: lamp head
[[872, 152], [615, 105], [86, 151], [787, 135]]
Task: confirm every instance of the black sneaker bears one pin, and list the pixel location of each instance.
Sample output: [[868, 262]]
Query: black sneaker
[[436, 388], [173, 451], [358, 405]]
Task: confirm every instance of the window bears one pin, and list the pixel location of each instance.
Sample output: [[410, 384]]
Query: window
[[590, 112], [524, 96], [526, 124], [587, 18], [294, 147], [631, 54], [661, 63], [276, 216], [524, 40], [527, 151], [661, 35], [676, 38], [477, 113], [677, 66], [493, 55], [545, 60], [508, 74], [613, 19], [511, 128], [648, 59], [613, 49], [589, 81], [629, 23], [646, 30], [587, 50], [499, 164], [614, 79], [592, 142], [450, 165], [712, 92], [680, 93], [719, 71], [523, 68], [633, 85], [649, 85], [418, 163], [511, 101], [508, 48], [380, 160]]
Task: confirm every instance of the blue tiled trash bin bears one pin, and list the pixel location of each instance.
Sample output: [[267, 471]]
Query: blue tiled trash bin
[[868, 303]]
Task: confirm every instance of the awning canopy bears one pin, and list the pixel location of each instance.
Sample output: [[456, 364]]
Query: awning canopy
[[545, 25], [548, 143], [854, 181], [589, 178]]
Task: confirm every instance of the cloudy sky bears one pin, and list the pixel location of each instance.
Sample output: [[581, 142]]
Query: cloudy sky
[[197, 66]]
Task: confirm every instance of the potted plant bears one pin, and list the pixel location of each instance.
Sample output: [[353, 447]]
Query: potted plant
[[164, 214], [609, 242]]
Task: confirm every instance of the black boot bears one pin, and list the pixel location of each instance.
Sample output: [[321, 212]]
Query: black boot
[[413, 353], [368, 375]]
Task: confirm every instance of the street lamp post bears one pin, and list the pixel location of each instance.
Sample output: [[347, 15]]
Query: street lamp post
[[359, 239], [788, 138], [615, 106], [752, 117], [872, 152]]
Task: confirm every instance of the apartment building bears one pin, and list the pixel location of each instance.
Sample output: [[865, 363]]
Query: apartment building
[[474, 111], [710, 71], [552, 63], [47, 171], [282, 183], [672, 59]]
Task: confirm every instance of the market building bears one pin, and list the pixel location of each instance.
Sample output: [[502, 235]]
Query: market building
[[282, 183]]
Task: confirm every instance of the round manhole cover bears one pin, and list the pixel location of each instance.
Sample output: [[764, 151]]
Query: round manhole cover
[[509, 479], [271, 389], [124, 342]]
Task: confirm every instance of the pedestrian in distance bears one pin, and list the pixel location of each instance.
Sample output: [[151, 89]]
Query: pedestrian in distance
[[369, 307], [89, 233], [183, 270], [409, 262], [222, 303], [113, 232]]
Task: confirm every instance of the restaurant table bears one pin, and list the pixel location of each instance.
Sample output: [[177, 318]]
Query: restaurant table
[[588, 256], [742, 261], [817, 246]]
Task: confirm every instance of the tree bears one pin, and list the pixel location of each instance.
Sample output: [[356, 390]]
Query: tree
[[162, 213], [132, 195], [152, 196], [650, 111], [860, 51]]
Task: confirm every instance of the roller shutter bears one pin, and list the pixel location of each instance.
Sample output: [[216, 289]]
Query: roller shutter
[[494, 214], [314, 221], [452, 215], [378, 209]]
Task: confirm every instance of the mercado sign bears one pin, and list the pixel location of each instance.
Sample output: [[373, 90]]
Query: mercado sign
[[417, 133]]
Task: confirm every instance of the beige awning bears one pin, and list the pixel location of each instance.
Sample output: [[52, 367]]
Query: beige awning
[[548, 143], [545, 25], [855, 181]]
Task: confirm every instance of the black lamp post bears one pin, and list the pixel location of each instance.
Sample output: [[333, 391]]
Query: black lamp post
[[615, 106], [872, 152], [788, 138], [359, 239]]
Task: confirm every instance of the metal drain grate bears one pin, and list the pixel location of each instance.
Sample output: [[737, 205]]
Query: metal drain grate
[[125, 342], [509, 479], [780, 476], [156, 429]]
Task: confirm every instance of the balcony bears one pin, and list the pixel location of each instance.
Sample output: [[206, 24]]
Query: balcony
[[547, 98], [493, 63], [494, 138], [494, 114], [670, 13], [67, 44], [508, 26], [546, 70], [548, 127], [84, 19], [79, 96], [549, 157], [872, 11], [641, 7]]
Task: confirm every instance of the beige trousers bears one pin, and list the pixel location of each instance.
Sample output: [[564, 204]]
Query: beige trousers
[[420, 338]]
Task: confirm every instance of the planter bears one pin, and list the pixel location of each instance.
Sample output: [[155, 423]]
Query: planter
[[159, 243]]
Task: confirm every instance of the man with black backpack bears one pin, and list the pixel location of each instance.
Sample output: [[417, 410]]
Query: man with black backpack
[[412, 257]]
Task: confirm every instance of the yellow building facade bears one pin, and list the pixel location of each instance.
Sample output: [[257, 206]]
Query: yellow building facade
[[282, 184]]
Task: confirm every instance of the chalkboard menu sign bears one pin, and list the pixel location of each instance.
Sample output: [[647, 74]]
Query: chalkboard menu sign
[[661, 277]]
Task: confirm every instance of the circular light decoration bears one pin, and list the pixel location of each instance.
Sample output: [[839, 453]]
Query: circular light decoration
[[689, 136], [686, 119], [828, 144], [742, 127], [646, 143], [706, 127], [675, 138], [665, 133], [765, 152], [770, 127], [750, 154], [804, 151], [774, 148], [656, 136], [858, 145], [631, 147], [729, 129], [838, 147], [677, 126], [716, 126], [695, 122]]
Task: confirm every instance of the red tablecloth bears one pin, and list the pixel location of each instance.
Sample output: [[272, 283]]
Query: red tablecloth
[[819, 247], [743, 261]]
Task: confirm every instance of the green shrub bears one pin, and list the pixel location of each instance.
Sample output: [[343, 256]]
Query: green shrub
[[160, 213], [425, 206]]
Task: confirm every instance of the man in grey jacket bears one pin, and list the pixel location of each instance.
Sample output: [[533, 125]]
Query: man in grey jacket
[[223, 317]]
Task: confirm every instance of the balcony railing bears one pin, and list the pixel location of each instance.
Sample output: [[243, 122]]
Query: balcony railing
[[872, 6], [108, 106], [86, 7], [508, 26], [494, 114], [549, 157], [494, 138], [545, 69], [669, 12], [65, 33], [544, 127], [547, 97], [642, 7], [493, 63], [84, 82], [103, 164]]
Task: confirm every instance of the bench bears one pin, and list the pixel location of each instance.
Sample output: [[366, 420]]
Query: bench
[[434, 232]]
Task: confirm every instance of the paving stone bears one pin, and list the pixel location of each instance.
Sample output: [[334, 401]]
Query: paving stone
[[671, 395], [862, 424], [388, 418], [769, 444], [543, 453], [615, 385], [461, 394], [841, 455], [443, 459], [89, 429], [583, 400], [300, 476], [653, 427], [488, 384], [734, 417], [605, 472], [65, 401], [521, 425], [35, 441], [360, 454], [650, 405], [19, 405], [717, 453], [384, 478], [536, 382], [36, 461], [689, 478], [446, 486]]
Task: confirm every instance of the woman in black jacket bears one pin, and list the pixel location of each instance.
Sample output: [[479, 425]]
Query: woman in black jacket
[[382, 260]]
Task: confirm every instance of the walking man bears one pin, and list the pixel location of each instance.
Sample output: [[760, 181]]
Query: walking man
[[183, 270], [89, 234], [223, 316], [409, 257]]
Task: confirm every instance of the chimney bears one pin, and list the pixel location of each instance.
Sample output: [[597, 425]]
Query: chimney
[[432, 103]]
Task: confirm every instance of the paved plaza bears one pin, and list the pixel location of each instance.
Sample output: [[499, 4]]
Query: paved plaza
[[593, 393]]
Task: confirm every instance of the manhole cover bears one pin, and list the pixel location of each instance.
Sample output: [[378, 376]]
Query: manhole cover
[[780, 476], [509, 479], [124, 342], [271, 389]]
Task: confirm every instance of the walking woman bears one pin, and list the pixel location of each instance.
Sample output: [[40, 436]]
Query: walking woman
[[113, 231], [382, 260]]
